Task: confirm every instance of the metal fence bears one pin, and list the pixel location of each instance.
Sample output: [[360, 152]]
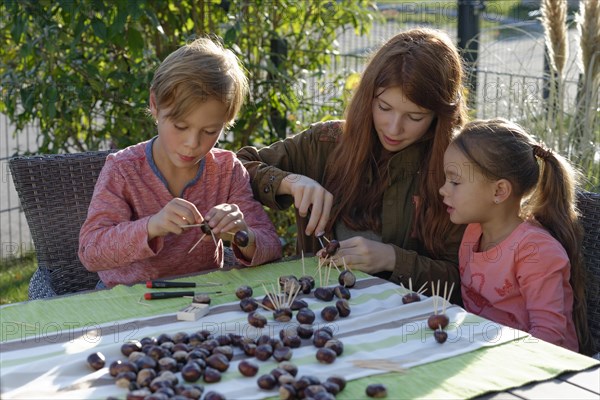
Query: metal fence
[[510, 76]]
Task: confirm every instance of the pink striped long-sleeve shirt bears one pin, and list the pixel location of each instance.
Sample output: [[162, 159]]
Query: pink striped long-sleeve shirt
[[130, 189]]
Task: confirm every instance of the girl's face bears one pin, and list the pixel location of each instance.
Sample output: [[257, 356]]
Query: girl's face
[[398, 121], [468, 195], [183, 143]]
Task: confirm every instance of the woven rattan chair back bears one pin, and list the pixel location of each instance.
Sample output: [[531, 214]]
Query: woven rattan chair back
[[589, 207], [55, 192]]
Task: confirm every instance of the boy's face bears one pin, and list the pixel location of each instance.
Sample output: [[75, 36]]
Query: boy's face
[[183, 143]]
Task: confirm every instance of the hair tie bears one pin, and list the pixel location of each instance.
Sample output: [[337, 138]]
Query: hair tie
[[541, 152]]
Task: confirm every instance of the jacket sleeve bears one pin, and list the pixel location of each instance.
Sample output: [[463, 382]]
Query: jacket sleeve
[[422, 269], [109, 238], [268, 246], [305, 154]]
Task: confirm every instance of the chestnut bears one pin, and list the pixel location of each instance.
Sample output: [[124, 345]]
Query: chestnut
[[129, 347], [339, 380], [329, 313], [146, 362], [376, 390], [241, 239], [145, 376], [248, 304], [321, 337], [440, 335], [288, 366], [164, 337], [305, 331], [191, 372], [167, 364], [287, 392], [123, 379], [212, 395], [206, 229], [305, 286], [347, 278], [283, 314], [211, 375], [121, 366], [298, 304], [411, 297], [436, 321], [324, 293], [335, 345], [249, 349], [342, 292], [343, 307], [305, 316], [263, 352], [331, 387], [292, 341], [314, 390], [283, 353], [201, 299], [256, 319], [243, 292], [266, 381], [332, 247], [96, 361], [218, 361], [248, 368]]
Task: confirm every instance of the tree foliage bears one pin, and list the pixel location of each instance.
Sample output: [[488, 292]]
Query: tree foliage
[[81, 69]]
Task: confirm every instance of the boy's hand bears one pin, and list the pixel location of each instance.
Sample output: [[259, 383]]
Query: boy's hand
[[227, 219], [309, 195], [172, 217]]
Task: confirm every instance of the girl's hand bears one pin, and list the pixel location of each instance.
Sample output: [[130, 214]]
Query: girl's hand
[[309, 196], [176, 213], [364, 255]]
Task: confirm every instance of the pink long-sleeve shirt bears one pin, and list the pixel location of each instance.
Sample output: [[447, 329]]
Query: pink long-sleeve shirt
[[522, 282], [130, 189]]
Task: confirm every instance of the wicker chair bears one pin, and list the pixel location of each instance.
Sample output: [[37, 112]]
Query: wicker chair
[[55, 192], [589, 206]]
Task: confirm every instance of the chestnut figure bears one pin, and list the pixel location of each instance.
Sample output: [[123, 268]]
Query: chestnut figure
[[256, 319], [329, 313], [347, 279], [332, 247], [241, 238], [305, 316], [96, 361], [436, 321], [243, 292], [248, 368], [266, 381], [440, 336], [324, 293], [376, 390], [411, 297], [248, 304], [326, 355]]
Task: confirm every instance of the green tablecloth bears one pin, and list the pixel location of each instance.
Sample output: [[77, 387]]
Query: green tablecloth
[[466, 375]]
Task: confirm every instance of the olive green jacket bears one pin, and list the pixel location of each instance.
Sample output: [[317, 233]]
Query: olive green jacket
[[307, 154]]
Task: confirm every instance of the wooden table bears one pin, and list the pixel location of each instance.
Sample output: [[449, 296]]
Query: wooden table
[[65, 330]]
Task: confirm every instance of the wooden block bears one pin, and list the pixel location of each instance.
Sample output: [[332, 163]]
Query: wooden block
[[192, 312]]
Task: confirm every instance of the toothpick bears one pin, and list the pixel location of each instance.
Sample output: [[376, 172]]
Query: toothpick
[[295, 295], [344, 261], [265, 307], [197, 243], [421, 288], [380, 364], [445, 294], [328, 275], [324, 237], [303, 269], [336, 267], [410, 284], [320, 241], [269, 296]]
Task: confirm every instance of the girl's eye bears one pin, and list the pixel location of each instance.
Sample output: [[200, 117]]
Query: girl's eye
[[382, 108]]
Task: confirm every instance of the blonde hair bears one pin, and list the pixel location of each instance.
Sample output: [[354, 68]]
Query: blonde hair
[[197, 72], [501, 149]]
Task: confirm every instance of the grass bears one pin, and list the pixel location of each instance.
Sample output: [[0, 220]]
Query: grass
[[14, 278]]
